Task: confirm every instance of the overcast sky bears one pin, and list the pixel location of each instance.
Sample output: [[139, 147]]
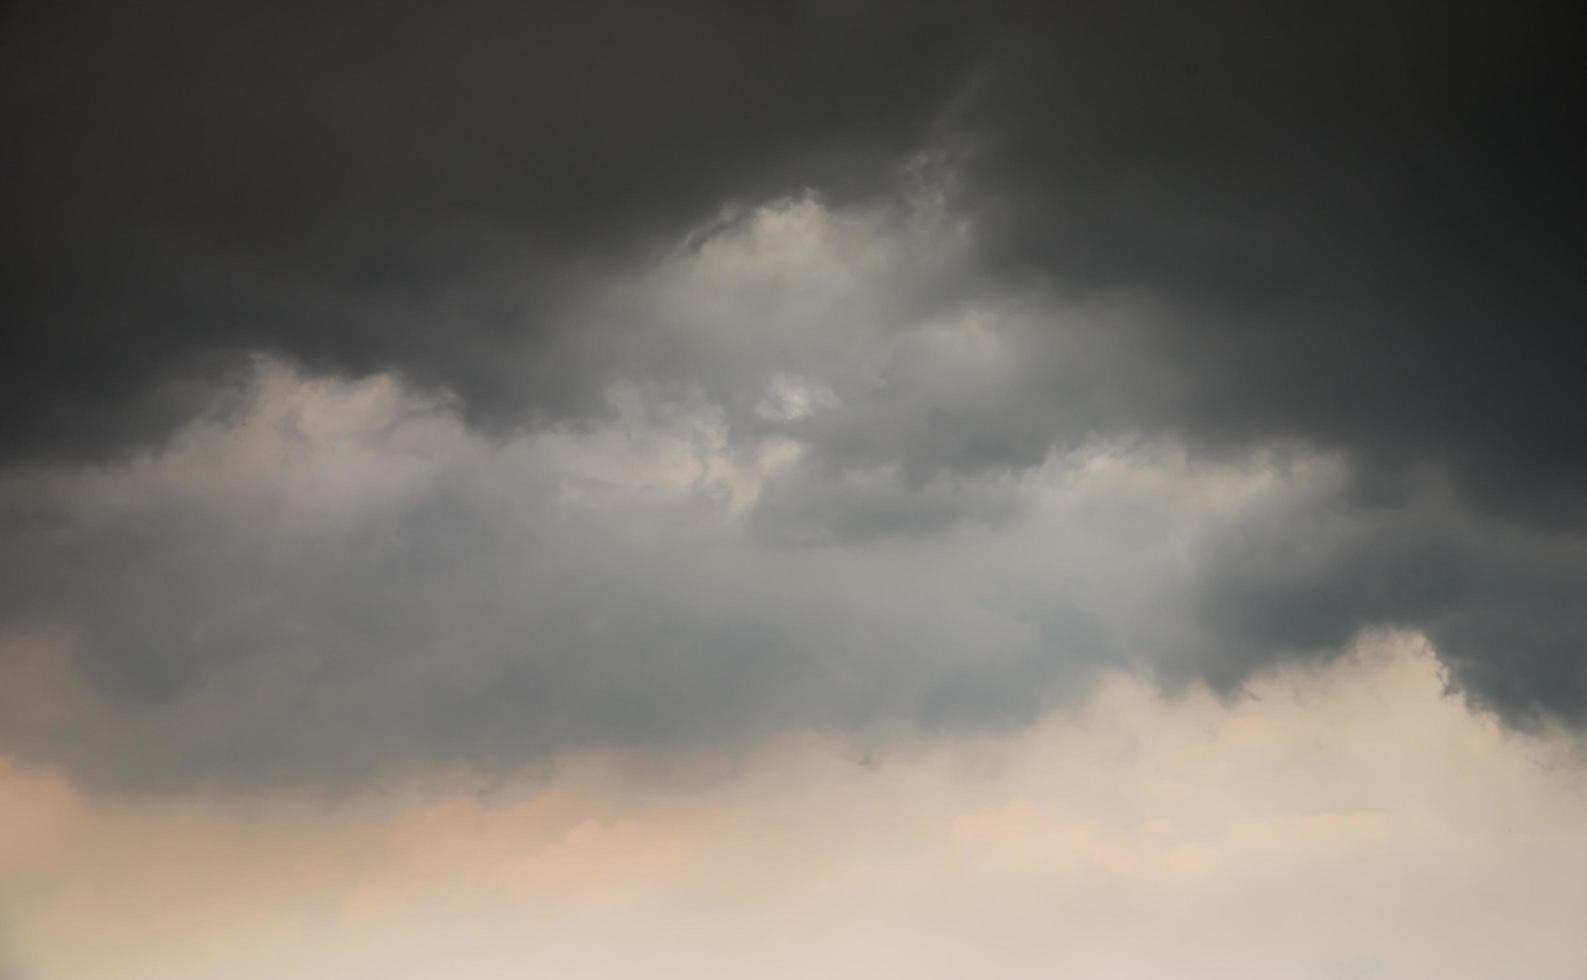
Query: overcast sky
[[612, 489]]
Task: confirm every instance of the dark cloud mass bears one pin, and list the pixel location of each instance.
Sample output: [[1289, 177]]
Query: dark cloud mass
[[323, 180], [923, 250], [1364, 220]]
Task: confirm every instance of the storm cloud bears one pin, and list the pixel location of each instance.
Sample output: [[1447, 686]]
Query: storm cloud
[[393, 385]]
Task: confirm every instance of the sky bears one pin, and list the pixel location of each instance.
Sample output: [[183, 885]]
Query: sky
[[611, 489]]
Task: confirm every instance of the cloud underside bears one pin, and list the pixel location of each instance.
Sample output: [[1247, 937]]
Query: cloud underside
[[389, 390]]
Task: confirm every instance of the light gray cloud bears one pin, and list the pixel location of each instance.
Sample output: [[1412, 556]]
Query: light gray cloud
[[847, 502], [344, 582]]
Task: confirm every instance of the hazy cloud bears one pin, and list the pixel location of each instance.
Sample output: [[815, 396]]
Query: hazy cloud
[[1341, 823]]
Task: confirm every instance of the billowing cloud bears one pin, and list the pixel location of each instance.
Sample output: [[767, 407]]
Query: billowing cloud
[[385, 388], [834, 494]]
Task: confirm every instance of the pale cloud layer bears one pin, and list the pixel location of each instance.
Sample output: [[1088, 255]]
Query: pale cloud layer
[[1348, 822]]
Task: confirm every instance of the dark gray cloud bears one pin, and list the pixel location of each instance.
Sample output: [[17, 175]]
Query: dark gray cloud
[[879, 266], [325, 181], [1500, 602], [1363, 221]]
